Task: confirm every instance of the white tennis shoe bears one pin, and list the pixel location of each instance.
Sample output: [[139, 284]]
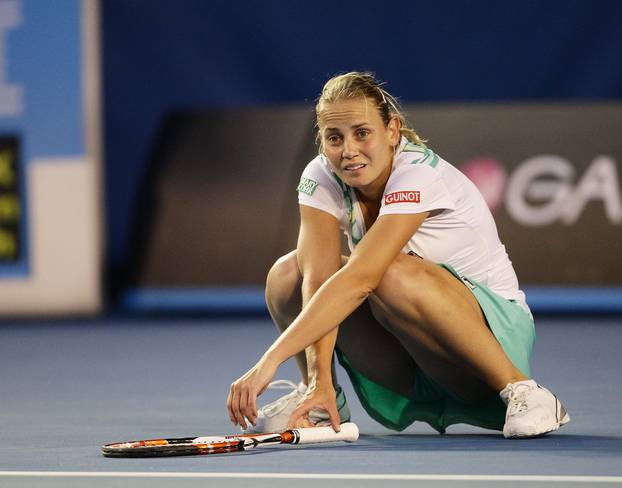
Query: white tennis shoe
[[532, 410], [274, 416]]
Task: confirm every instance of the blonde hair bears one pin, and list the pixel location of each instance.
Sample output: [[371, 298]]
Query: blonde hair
[[364, 85]]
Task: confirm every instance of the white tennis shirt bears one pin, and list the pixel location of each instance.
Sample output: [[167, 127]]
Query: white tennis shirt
[[460, 230]]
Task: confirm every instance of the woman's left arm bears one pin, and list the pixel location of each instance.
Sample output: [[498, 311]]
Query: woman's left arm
[[332, 303]]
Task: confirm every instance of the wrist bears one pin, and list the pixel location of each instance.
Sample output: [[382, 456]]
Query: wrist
[[319, 371], [320, 380], [270, 360]]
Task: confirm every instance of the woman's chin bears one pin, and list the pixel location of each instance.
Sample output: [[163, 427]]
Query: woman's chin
[[355, 178]]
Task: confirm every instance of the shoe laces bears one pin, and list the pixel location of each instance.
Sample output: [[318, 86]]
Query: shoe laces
[[517, 399], [274, 408]]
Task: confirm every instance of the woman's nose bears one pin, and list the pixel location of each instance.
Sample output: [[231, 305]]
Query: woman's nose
[[349, 148]]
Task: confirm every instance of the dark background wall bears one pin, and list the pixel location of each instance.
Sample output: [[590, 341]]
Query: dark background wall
[[167, 55]]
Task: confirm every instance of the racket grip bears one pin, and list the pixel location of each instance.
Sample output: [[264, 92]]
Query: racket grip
[[349, 433]]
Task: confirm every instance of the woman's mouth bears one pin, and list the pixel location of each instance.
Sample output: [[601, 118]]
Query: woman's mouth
[[354, 166]]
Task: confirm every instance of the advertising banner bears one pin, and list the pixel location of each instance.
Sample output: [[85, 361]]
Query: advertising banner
[[551, 176]]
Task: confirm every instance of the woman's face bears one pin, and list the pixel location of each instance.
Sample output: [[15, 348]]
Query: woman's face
[[357, 143]]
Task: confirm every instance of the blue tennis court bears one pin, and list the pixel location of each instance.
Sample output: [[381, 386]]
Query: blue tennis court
[[71, 386]]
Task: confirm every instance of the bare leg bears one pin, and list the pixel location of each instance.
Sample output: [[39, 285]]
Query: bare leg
[[284, 299], [377, 353], [439, 322], [361, 337], [419, 316]]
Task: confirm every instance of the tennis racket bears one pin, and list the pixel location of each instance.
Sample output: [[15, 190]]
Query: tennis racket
[[199, 446]]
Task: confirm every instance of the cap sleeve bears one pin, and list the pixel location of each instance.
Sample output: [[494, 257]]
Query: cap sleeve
[[318, 188], [415, 188]]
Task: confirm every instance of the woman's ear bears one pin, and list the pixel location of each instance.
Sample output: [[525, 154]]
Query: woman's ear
[[394, 127]]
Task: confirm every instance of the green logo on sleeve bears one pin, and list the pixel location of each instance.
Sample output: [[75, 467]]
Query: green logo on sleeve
[[307, 186]]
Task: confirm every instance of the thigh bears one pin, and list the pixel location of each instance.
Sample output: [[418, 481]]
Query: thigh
[[417, 293], [376, 353]]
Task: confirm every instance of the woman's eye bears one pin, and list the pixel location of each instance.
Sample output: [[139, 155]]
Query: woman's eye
[[334, 139], [363, 133]]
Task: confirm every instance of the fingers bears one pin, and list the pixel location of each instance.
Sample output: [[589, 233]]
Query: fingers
[[300, 417], [252, 405], [304, 423], [244, 395], [233, 405], [335, 421], [242, 404], [316, 398], [242, 398]]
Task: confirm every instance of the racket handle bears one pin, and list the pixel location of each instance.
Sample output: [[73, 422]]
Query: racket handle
[[349, 433]]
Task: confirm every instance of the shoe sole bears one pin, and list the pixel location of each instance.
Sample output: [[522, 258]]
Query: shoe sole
[[562, 418]]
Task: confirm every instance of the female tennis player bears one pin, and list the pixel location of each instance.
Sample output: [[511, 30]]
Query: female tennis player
[[425, 314]]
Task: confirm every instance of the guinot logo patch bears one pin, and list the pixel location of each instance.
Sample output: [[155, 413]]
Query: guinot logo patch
[[413, 196]]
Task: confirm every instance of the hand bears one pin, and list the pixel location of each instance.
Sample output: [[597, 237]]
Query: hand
[[318, 396], [242, 398]]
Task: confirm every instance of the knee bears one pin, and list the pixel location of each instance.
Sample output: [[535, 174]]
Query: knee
[[406, 284], [283, 278]]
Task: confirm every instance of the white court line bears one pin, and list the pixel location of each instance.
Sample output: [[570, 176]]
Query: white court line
[[388, 477]]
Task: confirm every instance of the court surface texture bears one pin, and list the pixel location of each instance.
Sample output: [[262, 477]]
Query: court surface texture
[[67, 387]]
